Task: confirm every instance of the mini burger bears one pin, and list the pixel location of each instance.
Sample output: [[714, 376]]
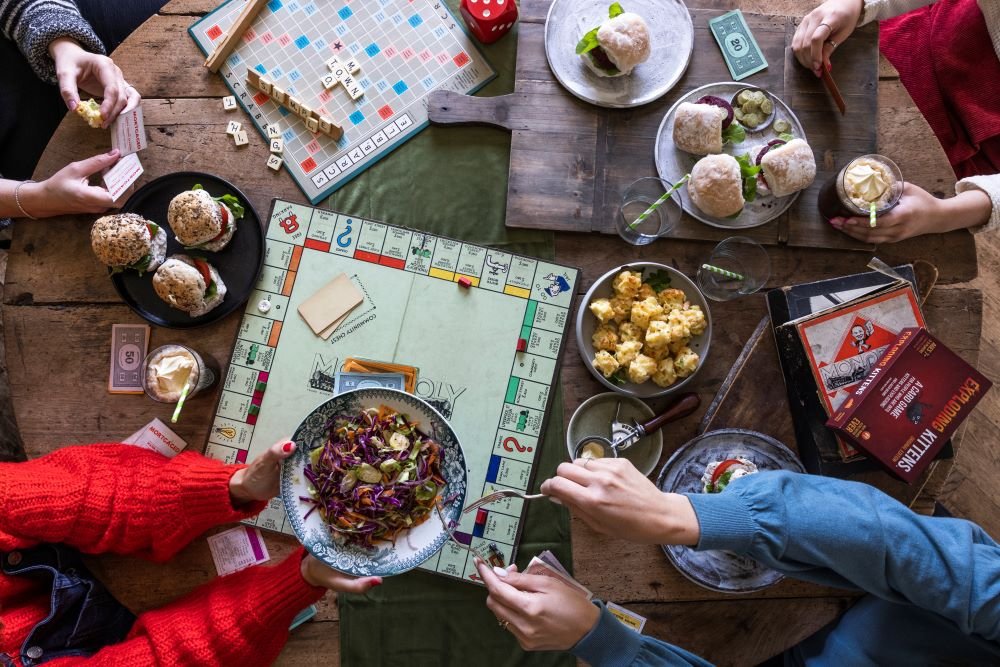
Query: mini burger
[[128, 241], [786, 167], [720, 474], [191, 285], [615, 47], [716, 186], [201, 221], [703, 127]]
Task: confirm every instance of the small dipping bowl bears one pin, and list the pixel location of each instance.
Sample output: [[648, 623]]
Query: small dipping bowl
[[592, 422], [767, 120]]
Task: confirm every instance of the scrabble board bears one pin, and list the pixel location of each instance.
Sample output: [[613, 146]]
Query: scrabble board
[[463, 340], [405, 50]]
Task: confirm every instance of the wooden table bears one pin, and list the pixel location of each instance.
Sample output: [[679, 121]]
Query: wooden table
[[59, 309]]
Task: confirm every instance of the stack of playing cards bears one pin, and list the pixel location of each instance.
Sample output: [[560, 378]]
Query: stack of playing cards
[[546, 564], [356, 365], [325, 310]]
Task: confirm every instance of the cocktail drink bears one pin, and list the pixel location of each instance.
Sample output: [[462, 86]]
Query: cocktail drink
[[169, 368], [867, 180]]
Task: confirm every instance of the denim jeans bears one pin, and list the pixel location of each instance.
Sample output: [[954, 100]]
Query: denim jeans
[[83, 618]]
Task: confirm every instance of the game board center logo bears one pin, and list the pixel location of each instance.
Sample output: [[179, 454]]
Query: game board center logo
[[862, 345], [443, 396], [557, 284]]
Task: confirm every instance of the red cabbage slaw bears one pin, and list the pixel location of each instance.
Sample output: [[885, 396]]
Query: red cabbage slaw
[[376, 476]]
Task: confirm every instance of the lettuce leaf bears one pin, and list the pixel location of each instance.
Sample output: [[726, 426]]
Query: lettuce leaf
[[234, 203], [748, 172], [658, 280], [587, 43], [615, 10], [733, 134]]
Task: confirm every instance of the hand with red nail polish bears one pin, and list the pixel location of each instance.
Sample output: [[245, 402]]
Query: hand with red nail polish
[[317, 574], [259, 480]]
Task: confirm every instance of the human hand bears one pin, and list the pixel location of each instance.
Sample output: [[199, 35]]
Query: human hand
[[614, 498], [919, 212], [77, 69], [824, 29], [542, 613], [316, 573], [69, 189], [259, 480]]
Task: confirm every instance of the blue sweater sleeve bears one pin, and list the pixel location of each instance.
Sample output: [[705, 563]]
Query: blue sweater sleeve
[[848, 534], [611, 644]]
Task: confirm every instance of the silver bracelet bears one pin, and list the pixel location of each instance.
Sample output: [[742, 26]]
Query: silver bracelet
[[17, 200]]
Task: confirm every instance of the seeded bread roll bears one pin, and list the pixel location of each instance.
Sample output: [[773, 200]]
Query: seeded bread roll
[[194, 217], [180, 284], [123, 239]]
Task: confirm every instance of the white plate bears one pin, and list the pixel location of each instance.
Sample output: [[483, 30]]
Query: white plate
[[671, 41], [412, 546], [672, 163]]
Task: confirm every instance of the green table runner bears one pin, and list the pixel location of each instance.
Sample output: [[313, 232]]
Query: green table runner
[[452, 181]]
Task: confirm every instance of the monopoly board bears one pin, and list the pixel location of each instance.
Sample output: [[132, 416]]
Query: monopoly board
[[463, 340], [405, 48]]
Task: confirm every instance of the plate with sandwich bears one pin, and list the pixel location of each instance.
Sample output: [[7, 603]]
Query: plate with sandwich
[[745, 151], [618, 54], [184, 251]]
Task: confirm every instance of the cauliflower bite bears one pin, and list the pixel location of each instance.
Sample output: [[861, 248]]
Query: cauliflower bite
[[642, 311], [605, 338], [686, 362], [90, 111], [665, 374], [626, 284], [671, 298], [656, 353], [645, 292], [622, 305], [658, 335], [695, 320], [677, 345], [602, 310], [605, 363], [629, 331], [641, 368], [678, 325], [626, 352]]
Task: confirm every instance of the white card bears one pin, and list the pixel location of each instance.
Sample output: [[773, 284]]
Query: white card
[[237, 549], [158, 437], [120, 177], [128, 134]]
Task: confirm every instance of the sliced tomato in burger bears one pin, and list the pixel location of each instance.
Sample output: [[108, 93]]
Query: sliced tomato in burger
[[153, 229], [722, 468], [204, 270]]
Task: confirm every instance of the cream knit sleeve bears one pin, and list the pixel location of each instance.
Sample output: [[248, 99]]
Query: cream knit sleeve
[[878, 10], [991, 186]]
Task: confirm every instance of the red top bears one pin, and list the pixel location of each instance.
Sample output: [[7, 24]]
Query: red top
[[126, 500]]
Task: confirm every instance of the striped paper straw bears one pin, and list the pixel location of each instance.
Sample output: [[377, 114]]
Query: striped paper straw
[[722, 272], [871, 215], [659, 202]]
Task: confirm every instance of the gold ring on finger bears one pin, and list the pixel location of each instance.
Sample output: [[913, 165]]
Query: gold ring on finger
[[503, 624], [832, 43], [827, 25]]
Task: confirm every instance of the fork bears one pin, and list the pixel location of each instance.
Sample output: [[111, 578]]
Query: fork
[[500, 495]]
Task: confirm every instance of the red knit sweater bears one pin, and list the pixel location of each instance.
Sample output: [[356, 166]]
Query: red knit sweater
[[127, 500]]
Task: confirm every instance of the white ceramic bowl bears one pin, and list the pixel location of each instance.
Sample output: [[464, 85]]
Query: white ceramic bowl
[[586, 323]]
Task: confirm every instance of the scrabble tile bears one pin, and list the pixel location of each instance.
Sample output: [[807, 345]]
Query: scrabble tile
[[233, 127], [293, 105], [277, 146], [278, 94], [265, 86], [332, 64], [355, 91], [312, 124], [325, 124], [241, 138], [253, 77], [274, 162], [329, 81], [347, 80], [305, 112], [229, 103], [273, 131], [352, 66]]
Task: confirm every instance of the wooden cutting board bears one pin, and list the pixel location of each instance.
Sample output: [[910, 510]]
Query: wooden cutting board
[[570, 161]]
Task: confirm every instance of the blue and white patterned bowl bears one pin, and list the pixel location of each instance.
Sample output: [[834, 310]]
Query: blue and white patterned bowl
[[412, 546]]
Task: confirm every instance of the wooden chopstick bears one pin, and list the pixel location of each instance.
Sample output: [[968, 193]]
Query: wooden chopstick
[[831, 86], [228, 42]]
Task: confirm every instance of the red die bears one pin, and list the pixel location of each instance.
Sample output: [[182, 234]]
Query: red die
[[489, 20]]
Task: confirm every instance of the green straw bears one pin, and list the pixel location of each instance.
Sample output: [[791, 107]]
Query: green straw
[[659, 202], [871, 215], [722, 272], [180, 403]]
